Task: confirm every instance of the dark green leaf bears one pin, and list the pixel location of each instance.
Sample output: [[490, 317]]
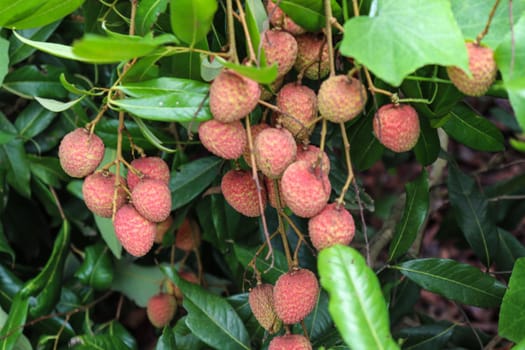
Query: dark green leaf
[[4, 58], [165, 86], [116, 329], [138, 283], [13, 327], [97, 268], [151, 137], [35, 13], [456, 281], [414, 215], [4, 245], [147, 13], [366, 149], [184, 338], [105, 227], [426, 337], [19, 51], [191, 20], [33, 120], [427, 147], [30, 81], [509, 250], [407, 36], [98, 341], [309, 14], [191, 179], [6, 137], [243, 309], [470, 209], [512, 313], [356, 303], [271, 273], [166, 340], [18, 174], [47, 169], [263, 75]]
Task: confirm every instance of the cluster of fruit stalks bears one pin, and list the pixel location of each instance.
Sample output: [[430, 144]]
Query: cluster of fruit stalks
[[293, 173]]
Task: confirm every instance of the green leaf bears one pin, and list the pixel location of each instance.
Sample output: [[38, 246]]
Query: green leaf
[[16, 14], [191, 179], [427, 147], [4, 58], [116, 329], [139, 283], [4, 245], [456, 281], [22, 343], [519, 346], [164, 86], [210, 317], [471, 210], [18, 174], [510, 249], [6, 137], [512, 314], [407, 35], [263, 75], [309, 14], [97, 268], [271, 273], [426, 337], [33, 120], [151, 137], [58, 50], [466, 126], [47, 169], [105, 226], [257, 22], [184, 338], [166, 340], [191, 20], [147, 13], [366, 149], [29, 81], [19, 51], [12, 329], [356, 303], [55, 105], [414, 215], [98, 341]]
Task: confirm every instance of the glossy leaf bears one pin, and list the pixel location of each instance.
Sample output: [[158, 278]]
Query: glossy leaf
[[105, 227], [33, 120], [164, 86], [47, 169], [22, 342], [116, 329], [427, 147], [59, 50], [19, 51], [512, 312], [463, 283], [55, 105], [309, 14], [22, 14], [416, 209], [4, 58], [151, 137], [29, 81], [147, 13], [137, 282], [356, 303], [271, 273], [166, 340], [98, 341], [471, 210], [257, 22], [97, 268], [426, 337], [510, 249], [191, 20], [12, 329], [184, 338], [263, 75], [410, 46]]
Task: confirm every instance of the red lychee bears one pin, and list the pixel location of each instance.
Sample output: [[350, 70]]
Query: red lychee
[[397, 127], [261, 303], [152, 199], [279, 19], [279, 47], [240, 191], [295, 295], [255, 130], [298, 104], [134, 232], [188, 236], [483, 68], [305, 189], [275, 149], [98, 190], [310, 154], [226, 140], [151, 167], [341, 99], [290, 342], [333, 225], [162, 228], [80, 153], [312, 56], [161, 309], [233, 96]]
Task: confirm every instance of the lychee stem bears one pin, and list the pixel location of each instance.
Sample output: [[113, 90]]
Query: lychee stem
[[350, 173], [355, 5], [242, 19], [231, 32], [328, 33], [487, 26], [119, 157], [280, 228], [253, 262]]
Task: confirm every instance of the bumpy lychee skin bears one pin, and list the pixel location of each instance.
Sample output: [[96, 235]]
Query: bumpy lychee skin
[[279, 19], [298, 104], [261, 303], [275, 149], [290, 342], [312, 52], [397, 127], [151, 168], [188, 235], [80, 153], [226, 140], [240, 191], [161, 309], [295, 295], [483, 68], [310, 154], [98, 190], [279, 47], [162, 228], [152, 199], [134, 232], [305, 189], [255, 130], [341, 99], [333, 225], [232, 96]]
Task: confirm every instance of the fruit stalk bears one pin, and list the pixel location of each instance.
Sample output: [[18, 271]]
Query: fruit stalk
[[231, 32], [487, 26], [328, 29], [350, 173]]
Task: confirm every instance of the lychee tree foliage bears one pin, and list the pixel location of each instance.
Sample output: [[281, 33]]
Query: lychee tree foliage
[[372, 82]]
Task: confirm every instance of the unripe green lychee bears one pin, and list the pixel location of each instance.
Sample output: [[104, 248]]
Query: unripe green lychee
[[333, 225], [341, 98], [270, 189], [80, 153], [279, 47], [295, 295], [261, 303], [397, 127], [275, 149], [483, 68], [161, 309], [152, 199], [162, 228], [226, 140], [150, 167], [188, 236], [233, 96], [312, 56], [310, 154], [298, 104], [305, 189], [98, 190], [290, 342], [255, 130], [280, 20], [134, 232], [240, 191]]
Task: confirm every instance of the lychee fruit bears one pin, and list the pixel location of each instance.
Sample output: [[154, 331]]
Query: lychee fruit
[[341, 98], [98, 191], [240, 191], [279, 19], [188, 235], [397, 127], [295, 295], [152, 199], [151, 168], [333, 225], [270, 189], [310, 154], [279, 47], [162, 228], [161, 309], [274, 149], [134, 232], [305, 189], [255, 130], [80, 153], [233, 96], [260, 299], [226, 140], [312, 56], [483, 68], [298, 104], [290, 342]]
